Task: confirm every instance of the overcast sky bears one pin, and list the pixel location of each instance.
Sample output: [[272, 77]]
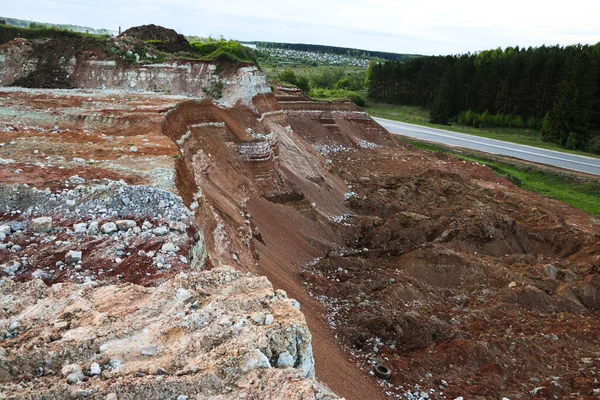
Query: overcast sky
[[422, 27]]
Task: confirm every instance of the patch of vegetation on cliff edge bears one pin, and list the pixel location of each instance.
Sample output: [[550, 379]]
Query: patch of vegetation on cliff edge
[[223, 49]]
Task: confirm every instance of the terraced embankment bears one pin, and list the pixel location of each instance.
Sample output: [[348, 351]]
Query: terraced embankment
[[108, 288], [458, 281]]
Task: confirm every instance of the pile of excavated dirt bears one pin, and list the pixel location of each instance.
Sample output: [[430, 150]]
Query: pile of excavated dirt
[[168, 40], [53, 56], [96, 233]]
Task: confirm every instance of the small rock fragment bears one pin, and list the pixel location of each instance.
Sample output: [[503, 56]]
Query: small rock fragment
[[125, 224], [5, 229], [60, 325], [73, 378], [109, 227], [69, 369], [183, 294], [73, 373], [16, 226], [177, 226], [73, 257], [285, 360], [160, 231], [80, 228], [253, 360], [295, 304], [551, 271], [258, 318], [42, 224], [40, 274], [168, 248], [93, 228], [95, 369], [76, 179], [147, 225], [10, 267]]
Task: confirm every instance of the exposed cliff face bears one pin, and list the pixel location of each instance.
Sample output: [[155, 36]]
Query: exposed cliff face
[[105, 284], [267, 199], [16, 61], [70, 64]]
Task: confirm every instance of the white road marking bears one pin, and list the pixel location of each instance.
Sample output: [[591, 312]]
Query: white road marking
[[460, 137]]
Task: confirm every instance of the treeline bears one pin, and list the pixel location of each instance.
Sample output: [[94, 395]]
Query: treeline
[[554, 89], [8, 33], [31, 24], [317, 48], [330, 78]]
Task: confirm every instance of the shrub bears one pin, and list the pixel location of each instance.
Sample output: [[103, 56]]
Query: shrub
[[224, 49], [288, 75], [594, 144], [572, 141], [357, 99]]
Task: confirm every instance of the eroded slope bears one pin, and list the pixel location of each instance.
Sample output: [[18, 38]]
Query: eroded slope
[[106, 285]]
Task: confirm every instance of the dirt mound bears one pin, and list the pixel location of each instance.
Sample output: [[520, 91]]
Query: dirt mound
[[164, 39], [53, 56]]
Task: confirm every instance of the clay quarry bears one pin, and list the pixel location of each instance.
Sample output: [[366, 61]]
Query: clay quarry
[[160, 241]]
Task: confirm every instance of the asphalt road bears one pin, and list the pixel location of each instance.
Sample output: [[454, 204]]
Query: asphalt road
[[528, 153]]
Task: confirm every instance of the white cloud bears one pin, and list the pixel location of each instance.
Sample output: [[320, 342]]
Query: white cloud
[[426, 27]]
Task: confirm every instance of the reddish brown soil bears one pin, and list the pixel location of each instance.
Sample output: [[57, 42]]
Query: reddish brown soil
[[98, 264], [444, 240], [53, 178], [465, 279], [48, 130], [462, 282], [55, 135]]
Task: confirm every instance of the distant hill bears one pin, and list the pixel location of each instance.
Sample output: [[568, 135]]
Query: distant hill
[[34, 24], [317, 48]]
